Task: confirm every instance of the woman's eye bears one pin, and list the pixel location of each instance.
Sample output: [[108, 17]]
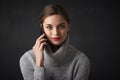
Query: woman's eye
[[49, 27], [62, 26]]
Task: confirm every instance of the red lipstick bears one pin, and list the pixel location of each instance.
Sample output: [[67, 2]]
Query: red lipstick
[[56, 38]]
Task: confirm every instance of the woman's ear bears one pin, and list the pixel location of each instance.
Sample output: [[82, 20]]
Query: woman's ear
[[40, 25]]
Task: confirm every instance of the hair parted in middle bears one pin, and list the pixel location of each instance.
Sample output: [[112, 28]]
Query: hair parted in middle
[[53, 9]]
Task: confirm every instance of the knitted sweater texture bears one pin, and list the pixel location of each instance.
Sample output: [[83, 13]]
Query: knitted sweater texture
[[67, 63]]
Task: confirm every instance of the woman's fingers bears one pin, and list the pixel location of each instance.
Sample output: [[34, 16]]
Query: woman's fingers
[[42, 45], [38, 49], [40, 40], [43, 35], [39, 43], [40, 37]]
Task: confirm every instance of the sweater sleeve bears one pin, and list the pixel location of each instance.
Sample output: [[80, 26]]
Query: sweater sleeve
[[82, 68], [29, 71]]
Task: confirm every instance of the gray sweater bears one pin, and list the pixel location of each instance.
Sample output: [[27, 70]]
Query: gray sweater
[[67, 63]]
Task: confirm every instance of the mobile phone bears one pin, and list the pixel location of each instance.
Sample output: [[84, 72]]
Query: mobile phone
[[42, 31]]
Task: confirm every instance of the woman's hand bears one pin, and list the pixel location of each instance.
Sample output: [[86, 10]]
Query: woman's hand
[[38, 50]]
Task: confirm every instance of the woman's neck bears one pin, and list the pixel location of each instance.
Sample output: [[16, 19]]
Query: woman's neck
[[54, 48]]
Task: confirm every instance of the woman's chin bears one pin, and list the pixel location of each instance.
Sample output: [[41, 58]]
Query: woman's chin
[[56, 43]]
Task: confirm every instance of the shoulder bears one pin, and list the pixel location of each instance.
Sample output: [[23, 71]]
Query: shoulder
[[27, 57], [79, 56], [80, 63]]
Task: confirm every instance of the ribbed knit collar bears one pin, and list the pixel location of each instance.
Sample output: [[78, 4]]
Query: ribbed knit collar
[[56, 58]]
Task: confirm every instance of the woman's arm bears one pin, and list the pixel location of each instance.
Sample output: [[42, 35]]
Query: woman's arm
[[38, 50], [36, 72], [29, 71], [82, 68]]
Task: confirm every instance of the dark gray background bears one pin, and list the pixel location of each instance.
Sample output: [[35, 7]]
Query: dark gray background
[[94, 31]]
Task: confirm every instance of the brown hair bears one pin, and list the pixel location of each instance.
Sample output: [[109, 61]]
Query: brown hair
[[53, 9]]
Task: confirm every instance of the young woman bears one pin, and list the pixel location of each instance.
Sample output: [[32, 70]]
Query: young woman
[[52, 57]]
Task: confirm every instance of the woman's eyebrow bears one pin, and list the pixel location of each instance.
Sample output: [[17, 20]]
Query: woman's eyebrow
[[61, 23], [57, 25], [49, 24]]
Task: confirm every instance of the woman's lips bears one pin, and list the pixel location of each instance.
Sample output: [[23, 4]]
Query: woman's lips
[[56, 38]]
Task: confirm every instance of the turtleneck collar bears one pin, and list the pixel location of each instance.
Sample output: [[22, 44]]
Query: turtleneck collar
[[55, 58], [54, 48]]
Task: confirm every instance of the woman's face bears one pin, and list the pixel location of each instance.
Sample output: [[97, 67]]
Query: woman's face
[[56, 29]]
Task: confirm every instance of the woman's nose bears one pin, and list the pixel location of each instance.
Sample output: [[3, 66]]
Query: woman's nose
[[56, 32]]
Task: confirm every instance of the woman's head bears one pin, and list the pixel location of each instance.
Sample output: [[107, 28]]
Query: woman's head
[[55, 22], [53, 9]]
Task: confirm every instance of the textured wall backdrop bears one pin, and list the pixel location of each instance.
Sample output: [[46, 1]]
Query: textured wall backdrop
[[94, 31]]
